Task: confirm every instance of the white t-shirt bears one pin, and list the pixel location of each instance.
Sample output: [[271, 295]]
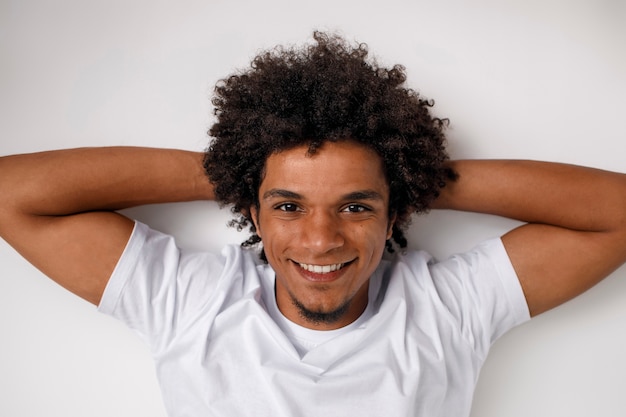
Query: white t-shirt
[[222, 347]]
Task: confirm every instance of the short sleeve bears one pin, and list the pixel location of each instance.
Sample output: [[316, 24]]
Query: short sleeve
[[155, 286], [482, 293]]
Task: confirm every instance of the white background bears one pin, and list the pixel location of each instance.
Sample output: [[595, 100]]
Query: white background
[[522, 79]]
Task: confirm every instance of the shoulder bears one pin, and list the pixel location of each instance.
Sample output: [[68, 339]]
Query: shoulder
[[478, 280], [475, 292], [481, 269], [487, 256], [154, 263]]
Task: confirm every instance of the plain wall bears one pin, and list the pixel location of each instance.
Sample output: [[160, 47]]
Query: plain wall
[[521, 79]]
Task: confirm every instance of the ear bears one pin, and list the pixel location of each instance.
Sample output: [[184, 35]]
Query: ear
[[392, 222], [254, 215]]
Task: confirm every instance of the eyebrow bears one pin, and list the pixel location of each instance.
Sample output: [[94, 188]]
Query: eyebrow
[[278, 192], [355, 195], [363, 195]]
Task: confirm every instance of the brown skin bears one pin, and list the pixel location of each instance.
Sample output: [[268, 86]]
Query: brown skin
[[57, 206], [576, 231], [328, 208]]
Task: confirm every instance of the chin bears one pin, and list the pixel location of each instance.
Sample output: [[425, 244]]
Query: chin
[[319, 316]]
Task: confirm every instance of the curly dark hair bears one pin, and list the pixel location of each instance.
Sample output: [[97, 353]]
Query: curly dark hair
[[327, 91]]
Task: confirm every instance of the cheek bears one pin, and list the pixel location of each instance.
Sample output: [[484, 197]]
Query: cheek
[[276, 236], [379, 231], [373, 238]]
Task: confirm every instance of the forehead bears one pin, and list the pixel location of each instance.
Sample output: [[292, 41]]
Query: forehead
[[335, 166]]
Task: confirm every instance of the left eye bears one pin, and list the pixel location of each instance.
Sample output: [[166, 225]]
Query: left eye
[[289, 207], [355, 208]]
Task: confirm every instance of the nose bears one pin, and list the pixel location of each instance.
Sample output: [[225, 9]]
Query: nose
[[321, 232]]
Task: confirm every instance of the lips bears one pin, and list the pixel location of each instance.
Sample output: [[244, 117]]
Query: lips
[[321, 269], [322, 273]]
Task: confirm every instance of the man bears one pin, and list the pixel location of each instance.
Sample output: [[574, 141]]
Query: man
[[325, 157]]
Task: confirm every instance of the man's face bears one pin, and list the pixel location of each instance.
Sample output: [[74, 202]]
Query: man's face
[[324, 220]]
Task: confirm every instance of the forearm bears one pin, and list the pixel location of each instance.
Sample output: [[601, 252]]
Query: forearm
[[87, 179], [57, 208], [567, 196]]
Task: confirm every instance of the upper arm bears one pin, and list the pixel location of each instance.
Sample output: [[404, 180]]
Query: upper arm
[[576, 221], [58, 206], [555, 264], [78, 251]]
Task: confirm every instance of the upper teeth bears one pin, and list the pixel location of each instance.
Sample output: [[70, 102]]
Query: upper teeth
[[321, 269]]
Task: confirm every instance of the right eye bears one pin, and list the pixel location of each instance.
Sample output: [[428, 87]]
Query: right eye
[[288, 207]]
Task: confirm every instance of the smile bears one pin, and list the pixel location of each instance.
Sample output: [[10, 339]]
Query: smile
[[321, 269]]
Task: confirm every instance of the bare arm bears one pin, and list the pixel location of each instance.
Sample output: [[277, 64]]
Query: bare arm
[[57, 208], [576, 222]]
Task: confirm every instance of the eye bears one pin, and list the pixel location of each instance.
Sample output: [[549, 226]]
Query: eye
[[288, 207], [355, 208]]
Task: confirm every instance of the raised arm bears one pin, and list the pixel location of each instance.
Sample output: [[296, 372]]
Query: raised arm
[[58, 207], [576, 222]]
